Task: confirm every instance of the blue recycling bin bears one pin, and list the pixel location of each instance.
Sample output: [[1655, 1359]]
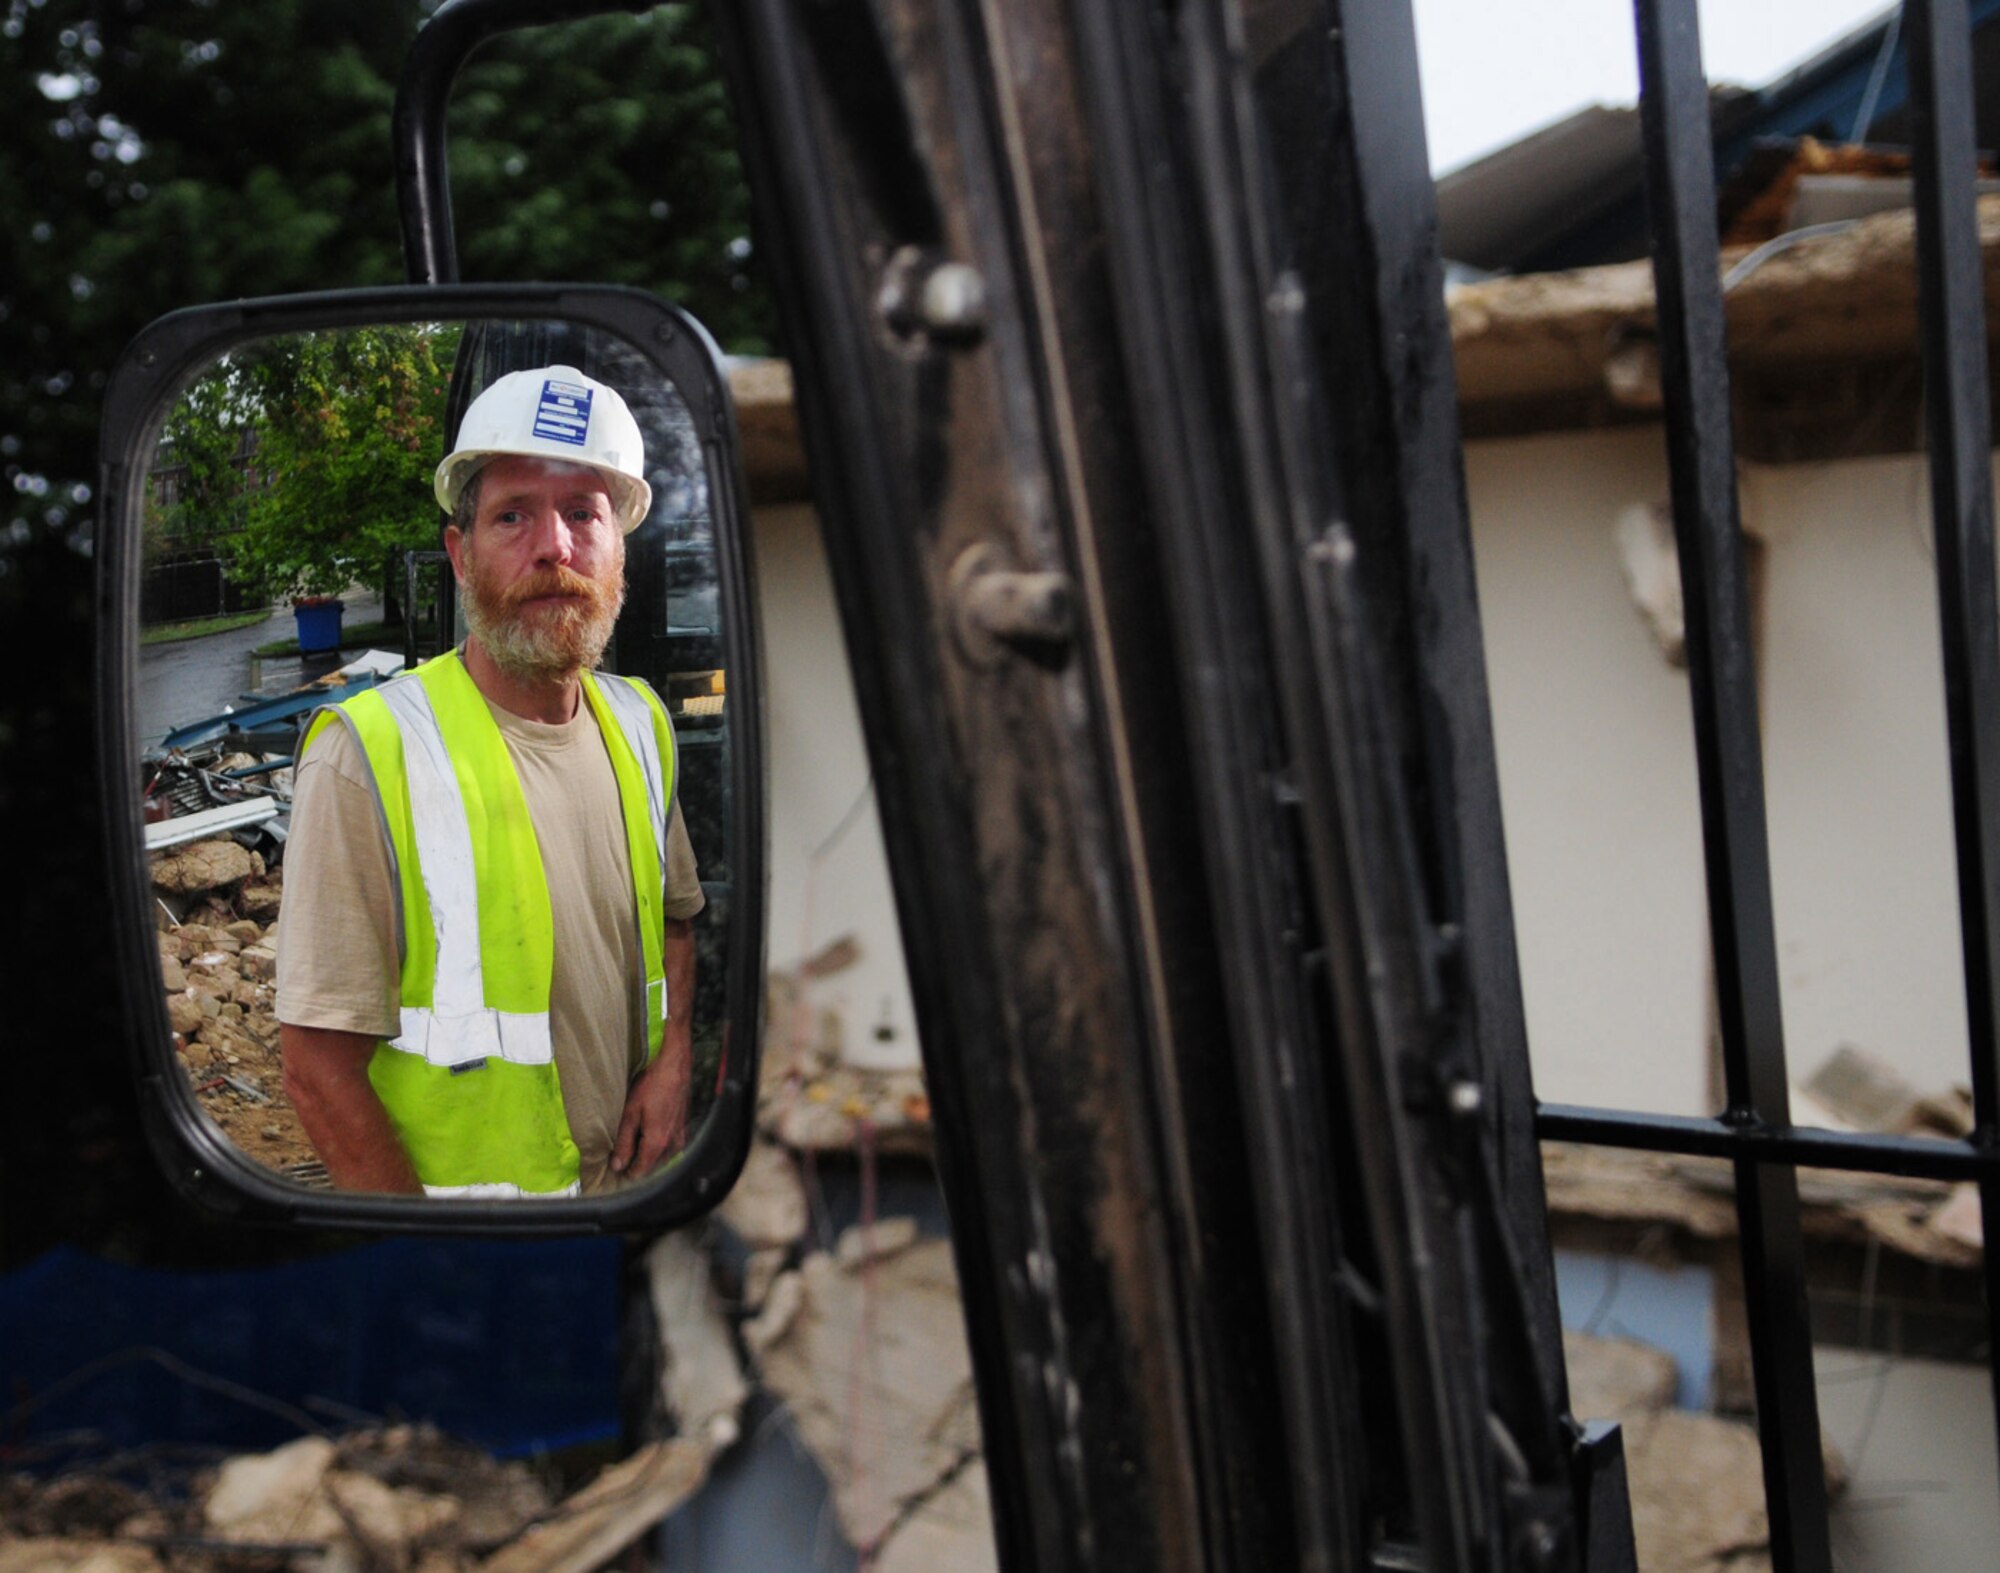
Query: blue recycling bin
[[319, 625]]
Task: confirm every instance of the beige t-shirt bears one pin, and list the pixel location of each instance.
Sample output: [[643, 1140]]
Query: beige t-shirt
[[337, 960]]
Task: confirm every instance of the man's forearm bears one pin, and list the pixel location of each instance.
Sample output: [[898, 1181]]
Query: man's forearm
[[654, 1125], [677, 961], [326, 1077]]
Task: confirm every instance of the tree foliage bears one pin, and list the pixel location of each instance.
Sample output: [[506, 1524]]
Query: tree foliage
[[169, 152], [344, 429]]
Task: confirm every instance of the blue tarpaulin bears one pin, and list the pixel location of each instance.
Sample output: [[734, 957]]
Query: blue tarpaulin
[[509, 1344]]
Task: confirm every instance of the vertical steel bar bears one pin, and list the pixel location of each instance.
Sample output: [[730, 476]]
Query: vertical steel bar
[[1958, 423], [1680, 184]]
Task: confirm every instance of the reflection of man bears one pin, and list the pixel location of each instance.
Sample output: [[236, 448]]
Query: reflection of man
[[486, 963]]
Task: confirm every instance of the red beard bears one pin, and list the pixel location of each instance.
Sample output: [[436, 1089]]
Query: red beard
[[553, 639]]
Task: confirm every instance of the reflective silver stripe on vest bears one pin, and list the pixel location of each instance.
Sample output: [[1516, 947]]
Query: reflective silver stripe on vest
[[501, 1190], [635, 720], [457, 1027]]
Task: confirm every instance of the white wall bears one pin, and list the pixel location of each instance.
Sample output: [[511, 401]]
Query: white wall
[[1597, 777], [1854, 744], [829, 875]]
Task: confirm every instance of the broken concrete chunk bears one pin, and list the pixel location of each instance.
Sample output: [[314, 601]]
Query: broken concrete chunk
[[760, 1271], [245, 931], [1644, 534], [52, 1554], [702, 1384], [1616, 1378], [590, 1527], [835, 956], [275, 1496], [888, 1429], [781, 1309], [1957, 1217], [260, 900], [951, 1528], [767, 1205], [203, 866], [173, 976], [388, 1522], [184, 1013], [1697, 1486], [871, 1242], [259, 961], [1864, 1090]]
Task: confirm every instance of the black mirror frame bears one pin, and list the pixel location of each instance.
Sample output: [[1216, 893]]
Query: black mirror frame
[[202, 1163]]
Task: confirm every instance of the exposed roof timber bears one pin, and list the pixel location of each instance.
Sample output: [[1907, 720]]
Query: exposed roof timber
[[1574, 344]]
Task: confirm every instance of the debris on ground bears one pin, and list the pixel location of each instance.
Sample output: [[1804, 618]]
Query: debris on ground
[[1696, 1480], [399, 1499], [701, 1380], [872, 1363], [808, 1098], [216, 911], [766, 1208], [591, 1527]]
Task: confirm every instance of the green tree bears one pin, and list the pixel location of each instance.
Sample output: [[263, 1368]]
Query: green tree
[[196, 496], [168, 152], [348, 426]]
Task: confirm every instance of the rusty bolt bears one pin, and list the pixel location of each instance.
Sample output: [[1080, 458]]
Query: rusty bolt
[[921, 294], [952, 300], [996, 606]]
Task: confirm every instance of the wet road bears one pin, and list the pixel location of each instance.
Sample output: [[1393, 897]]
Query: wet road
[[195, 678]]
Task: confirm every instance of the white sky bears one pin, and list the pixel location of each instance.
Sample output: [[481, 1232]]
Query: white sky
[[1495, 69]]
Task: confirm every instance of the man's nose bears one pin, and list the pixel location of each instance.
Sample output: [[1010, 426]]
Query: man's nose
[[553, 541]]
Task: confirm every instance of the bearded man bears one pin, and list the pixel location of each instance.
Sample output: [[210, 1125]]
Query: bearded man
[[485, 960]]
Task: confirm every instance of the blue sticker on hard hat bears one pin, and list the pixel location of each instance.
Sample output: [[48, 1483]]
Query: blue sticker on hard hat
[[564, 412]]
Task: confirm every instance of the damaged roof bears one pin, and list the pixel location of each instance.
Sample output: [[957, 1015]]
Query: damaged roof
[[1573, 194]]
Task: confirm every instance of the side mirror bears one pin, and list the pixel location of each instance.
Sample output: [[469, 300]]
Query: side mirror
[[292, 444]]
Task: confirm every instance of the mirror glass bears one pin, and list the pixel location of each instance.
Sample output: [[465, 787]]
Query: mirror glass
[[420, 948]]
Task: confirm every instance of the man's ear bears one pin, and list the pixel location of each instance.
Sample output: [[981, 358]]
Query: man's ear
[[454, 545]]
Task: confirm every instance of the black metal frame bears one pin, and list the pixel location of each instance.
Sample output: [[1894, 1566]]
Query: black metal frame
[[1205, 904], [1268, 505], [441, 48], [1756, 1131], [203, 1163]]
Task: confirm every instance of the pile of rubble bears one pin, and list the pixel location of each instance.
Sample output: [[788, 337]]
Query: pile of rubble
[[216, 906], [401, 1498], [864, 1344], [1696, 1480]]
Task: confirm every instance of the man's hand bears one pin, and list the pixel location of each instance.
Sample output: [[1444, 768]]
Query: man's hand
[[326, 1077], [654, 1125]]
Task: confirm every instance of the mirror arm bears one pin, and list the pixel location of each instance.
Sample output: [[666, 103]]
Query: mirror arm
[[423, 183]]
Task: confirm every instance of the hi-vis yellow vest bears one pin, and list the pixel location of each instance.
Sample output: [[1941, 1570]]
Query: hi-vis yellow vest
[[470, 1081]]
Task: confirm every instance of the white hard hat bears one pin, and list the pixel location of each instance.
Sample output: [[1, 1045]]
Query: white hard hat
[[553, 412]]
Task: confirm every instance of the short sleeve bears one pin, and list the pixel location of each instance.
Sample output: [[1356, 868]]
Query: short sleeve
[[339, 964], [684, 897]]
